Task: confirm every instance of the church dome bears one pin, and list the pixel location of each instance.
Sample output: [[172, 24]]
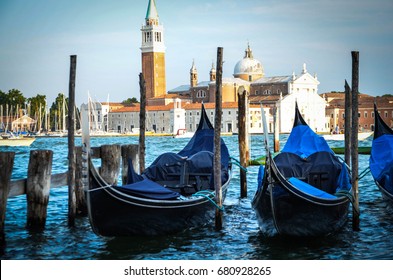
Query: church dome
[[248, 68]]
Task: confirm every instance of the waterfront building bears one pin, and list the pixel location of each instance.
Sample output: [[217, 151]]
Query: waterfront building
[[335, 111]]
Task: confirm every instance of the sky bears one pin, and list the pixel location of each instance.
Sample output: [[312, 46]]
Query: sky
[[37, 38]]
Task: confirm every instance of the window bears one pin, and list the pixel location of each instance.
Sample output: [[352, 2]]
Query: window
[[386, 114], [256, 92], [365, 115], [201, 94]]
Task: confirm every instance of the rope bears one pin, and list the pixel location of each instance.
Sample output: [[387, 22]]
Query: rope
[[237, 163], [364, 173], [350, 197], [207, 194]]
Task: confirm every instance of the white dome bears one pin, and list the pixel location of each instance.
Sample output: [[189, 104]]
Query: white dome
[[248, 66]]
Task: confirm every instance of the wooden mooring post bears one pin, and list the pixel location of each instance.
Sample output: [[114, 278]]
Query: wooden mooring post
[[40, 180], [217, 140], [244, 154], [348, 123], [81, 207], [276, 121], [354, 140], [37, 188], [129, 152], [142, 123], [6, 165], [110, 163], [71, 144]]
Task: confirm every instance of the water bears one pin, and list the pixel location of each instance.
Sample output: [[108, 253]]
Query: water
[[239, 239]]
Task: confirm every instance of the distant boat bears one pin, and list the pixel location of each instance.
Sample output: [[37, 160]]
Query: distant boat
[[305, 190], [381, 159], [15, 141], [341, 136]]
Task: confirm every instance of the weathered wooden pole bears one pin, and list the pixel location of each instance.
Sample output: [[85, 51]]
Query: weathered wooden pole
[[354, 140], [110, 163], [37, 188], [348, 123], [6, 165], [129, 152], [83, 165], [142, 123], [71, 144], [242, 138], [81, 206], [276, 121], [217, 140]]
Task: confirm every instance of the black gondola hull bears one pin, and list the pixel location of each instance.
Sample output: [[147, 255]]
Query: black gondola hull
[[387, 196], [281, 212], [113, 217], [113, 213], [305, 190]]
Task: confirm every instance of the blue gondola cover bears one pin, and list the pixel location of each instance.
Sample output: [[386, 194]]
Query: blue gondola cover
[[304, 142]]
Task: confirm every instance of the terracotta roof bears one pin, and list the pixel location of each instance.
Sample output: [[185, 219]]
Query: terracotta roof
[[209, 105], [263, 98], [136, 108], [112, 103]]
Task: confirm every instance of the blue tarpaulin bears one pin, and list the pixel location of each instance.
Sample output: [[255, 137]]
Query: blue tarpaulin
[[303, 141], [381, 161]]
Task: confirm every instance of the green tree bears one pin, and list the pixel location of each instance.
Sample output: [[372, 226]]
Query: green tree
[[37, 108], [12, 101], [3, 98], [16, 98], [57, 112], [130, 101]]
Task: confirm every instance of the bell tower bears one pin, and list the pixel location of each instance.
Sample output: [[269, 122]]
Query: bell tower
[[193, 75], [153, 53], [213, 73]]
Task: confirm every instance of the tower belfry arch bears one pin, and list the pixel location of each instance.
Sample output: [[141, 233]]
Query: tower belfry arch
[[153, 53]]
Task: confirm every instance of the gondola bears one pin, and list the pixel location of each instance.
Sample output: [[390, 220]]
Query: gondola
[[381, 158], [175, 193], [303, 191]]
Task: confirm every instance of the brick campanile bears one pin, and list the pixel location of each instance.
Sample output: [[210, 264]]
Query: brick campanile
[[153, 53]]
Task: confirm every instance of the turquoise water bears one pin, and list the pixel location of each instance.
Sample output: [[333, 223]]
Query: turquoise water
[[239, 239]]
